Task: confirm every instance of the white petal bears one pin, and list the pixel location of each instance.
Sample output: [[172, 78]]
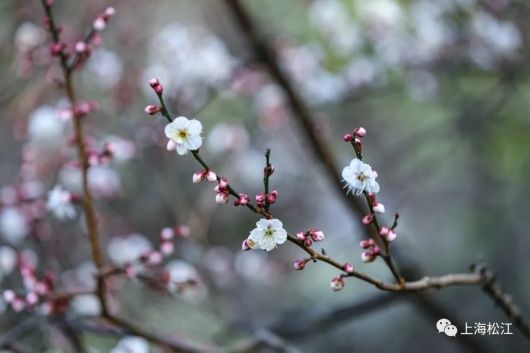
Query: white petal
[[194, 127], [280, 236], [170, 130], [374, 186], [267, 243], [256, 234], [181, 122], [193, 142], [181, 149], [263, 223], [276, 223], [356, 164], [347, 173]]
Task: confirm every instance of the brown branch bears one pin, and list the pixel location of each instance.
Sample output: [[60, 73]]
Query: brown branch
[[502, 299], [88, 203]]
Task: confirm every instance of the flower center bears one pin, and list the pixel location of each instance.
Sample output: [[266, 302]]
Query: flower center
[[361, 176], [269, 232], [182, 134]]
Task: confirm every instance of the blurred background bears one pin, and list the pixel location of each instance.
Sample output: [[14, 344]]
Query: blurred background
[[441, 87]]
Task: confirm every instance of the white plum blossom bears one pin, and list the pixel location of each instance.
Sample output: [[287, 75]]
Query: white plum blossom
[[360, 177], [13, 225], [184, 135], [103, 181], [86, 305], [123, 250], [105, 67], [45, 127], [267, 234], [8, 261], [181, 272], [60, 203], [131, 344]]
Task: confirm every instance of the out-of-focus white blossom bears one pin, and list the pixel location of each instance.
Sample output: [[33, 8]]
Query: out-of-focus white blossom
[[181, 272], [8, 261], [131, 344], [45, 128], [86, 305], [28, 36], [361, 71], [189, 57], [123, 250], [13, 225], [121, 149], [60, 203], [495, 38], [381, 13], [185, 134], [105, 67], [104, 181], [332, 19], [360, 177], [227, 138]]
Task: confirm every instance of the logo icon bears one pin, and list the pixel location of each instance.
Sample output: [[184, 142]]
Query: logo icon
[[445, 326]]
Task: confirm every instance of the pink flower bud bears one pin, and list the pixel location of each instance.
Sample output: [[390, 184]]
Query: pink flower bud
[[99, 24], [369, 218], [80, 47], [156, 86], [154, 82], [223, 183], [308, 241], [379, 207], [299, 264], [347, 137], [243, 200], [245, 245], [347, 267], [17, 305], [171, 145], [360, 131], [391, 235], [183, 230], [383, 231], [152, 109], [154, 258], [167, 248], [221, 198], [167, 233], [56, 48], [271, 198], [300, 236], [337, 283], [365, 244], [32, 298], [317, 235], [109, 12], [260, 199], [8, 295], [211, 176], [198, 177], [367, 256]]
